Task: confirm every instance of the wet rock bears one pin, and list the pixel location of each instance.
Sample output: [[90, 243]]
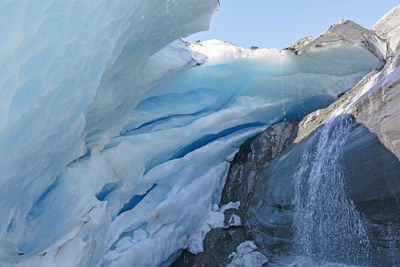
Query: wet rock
[[372, 177], [253, 157], [245, 169], [218, 246]]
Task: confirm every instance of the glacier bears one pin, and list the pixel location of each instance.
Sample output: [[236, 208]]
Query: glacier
[[116, 136]]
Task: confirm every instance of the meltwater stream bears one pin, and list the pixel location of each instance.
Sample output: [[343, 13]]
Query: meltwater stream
[[327, 225]]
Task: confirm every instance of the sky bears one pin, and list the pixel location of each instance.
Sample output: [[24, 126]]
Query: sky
[[279, 23]]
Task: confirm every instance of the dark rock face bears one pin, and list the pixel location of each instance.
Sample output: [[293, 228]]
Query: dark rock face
[[372, 177], [372, 172], [253, 157], [246, 168], [218, 245]]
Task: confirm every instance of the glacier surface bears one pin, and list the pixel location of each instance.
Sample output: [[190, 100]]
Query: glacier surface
[[115, 143]]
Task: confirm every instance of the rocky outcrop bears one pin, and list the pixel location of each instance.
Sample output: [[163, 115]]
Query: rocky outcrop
[[379, 111], [388, 29], [345, 32], [218, 245], [253, 157]]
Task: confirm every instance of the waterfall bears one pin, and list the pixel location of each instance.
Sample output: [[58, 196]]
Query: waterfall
[[326, 223]]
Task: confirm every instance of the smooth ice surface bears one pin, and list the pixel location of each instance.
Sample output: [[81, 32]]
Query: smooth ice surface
[[114, 151]]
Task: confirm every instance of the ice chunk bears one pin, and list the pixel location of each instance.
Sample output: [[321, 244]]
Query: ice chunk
[[215, 219], [247, 256]]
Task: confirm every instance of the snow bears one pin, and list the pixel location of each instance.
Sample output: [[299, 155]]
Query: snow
[[113, 150], [216, 50], [215, 219], [247, 256]]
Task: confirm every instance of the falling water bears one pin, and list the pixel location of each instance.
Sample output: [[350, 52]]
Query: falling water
[[327, 225], [281, 85]]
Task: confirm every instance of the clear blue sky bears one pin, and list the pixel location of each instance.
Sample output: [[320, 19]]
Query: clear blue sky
[[278, 23]]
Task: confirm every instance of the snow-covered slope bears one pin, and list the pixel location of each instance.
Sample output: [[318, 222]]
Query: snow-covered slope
[[113, 150]]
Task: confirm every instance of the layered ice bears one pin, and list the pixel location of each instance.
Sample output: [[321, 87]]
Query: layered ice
[[114, 151]]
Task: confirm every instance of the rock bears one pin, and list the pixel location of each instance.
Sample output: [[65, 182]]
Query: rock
[[372, 175], [388, 29], [373, 100], [345, 32], [218, 246], [300, 43], [246, 170], [379, 111], [373, 103], [253, 156]]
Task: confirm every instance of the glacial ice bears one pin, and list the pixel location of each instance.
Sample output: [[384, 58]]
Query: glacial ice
[[115, 143]]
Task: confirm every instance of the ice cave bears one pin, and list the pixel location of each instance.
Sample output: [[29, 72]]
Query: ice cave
[[123, 145]]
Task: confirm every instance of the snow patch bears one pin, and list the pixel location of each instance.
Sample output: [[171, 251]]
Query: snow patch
[[215, 219], [247, 256]]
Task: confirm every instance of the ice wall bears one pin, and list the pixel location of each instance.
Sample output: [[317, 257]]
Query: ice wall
[[114, 153], [53, 58]]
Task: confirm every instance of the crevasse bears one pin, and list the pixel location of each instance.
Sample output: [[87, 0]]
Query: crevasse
[[115, 143]]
